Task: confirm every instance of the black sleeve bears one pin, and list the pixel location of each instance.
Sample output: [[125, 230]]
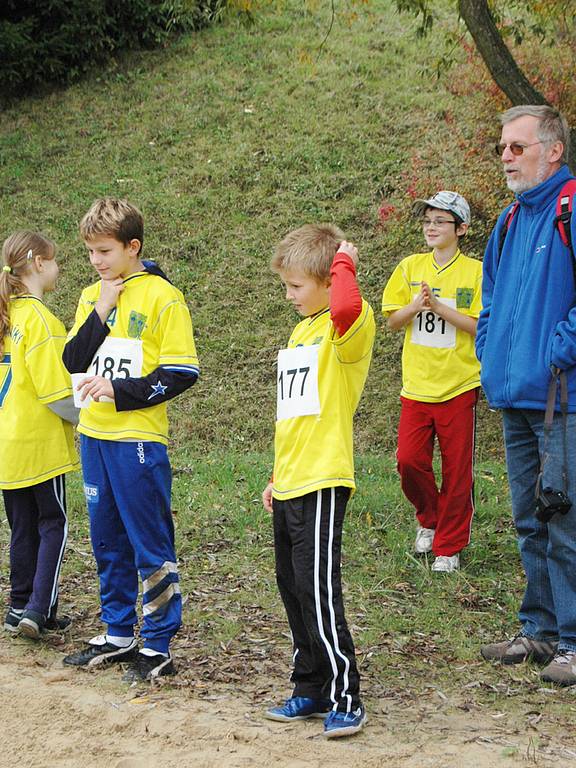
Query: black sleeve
[[79, 351], [146, 391]]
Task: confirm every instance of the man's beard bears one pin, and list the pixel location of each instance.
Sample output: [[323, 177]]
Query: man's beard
[[523, 185]]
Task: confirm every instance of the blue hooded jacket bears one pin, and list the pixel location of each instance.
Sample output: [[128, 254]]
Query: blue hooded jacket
[[528, 320]]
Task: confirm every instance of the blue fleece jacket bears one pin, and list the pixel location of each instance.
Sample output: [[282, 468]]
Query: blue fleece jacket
[[528, 320]]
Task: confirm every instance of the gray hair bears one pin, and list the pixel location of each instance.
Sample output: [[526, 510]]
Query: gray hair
[[552, 125]]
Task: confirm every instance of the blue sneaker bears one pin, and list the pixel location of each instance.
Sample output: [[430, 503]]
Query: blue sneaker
[[344, 723], [298, 708]]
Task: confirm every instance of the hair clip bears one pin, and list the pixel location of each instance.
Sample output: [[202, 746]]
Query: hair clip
[[6, 268], [29, 255]]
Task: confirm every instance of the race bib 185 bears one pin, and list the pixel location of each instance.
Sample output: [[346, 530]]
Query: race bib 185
[[117, 359], [297, 393]]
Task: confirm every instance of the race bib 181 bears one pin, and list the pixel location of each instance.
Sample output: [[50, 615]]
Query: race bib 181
[[297, 393], [431, 330]]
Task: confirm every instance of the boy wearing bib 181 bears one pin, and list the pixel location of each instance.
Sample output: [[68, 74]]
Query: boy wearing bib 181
[[321, 376], [132, 342], [436, 298]]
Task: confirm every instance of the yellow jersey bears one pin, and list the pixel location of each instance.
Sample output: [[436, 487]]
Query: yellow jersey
[[35, 444], [150, 327], [320, 380], [438, 360]]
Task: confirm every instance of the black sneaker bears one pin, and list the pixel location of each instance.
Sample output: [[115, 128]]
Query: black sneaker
[[99, 651], [12, 620], [32, 624], [57, 624], [145, 668]]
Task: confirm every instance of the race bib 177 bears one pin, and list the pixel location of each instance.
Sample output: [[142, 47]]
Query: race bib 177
[[297, 380]]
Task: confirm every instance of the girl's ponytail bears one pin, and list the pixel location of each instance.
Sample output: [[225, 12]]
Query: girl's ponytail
[[17, 253]]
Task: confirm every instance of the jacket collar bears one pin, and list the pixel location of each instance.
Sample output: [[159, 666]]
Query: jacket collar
[[540, 196]]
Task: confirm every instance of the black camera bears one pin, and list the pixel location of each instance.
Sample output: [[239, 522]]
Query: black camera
[[550, 502]]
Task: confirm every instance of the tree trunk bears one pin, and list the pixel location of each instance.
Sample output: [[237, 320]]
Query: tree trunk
[[506, 73], [500, 63]]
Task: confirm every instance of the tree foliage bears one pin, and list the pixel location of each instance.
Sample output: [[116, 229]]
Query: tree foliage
[[57, 40], [494, 24]]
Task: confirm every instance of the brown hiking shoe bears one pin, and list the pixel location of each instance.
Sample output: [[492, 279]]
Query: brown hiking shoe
[[561, 670], [520, 649]]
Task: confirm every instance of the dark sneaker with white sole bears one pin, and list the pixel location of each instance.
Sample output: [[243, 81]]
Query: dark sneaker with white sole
[[520, 649], [298, 708], [58, 624], [32, 624], [146, 668], [100, 651], [11, 620]]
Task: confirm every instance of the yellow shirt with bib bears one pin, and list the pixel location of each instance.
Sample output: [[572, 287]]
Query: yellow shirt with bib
[[320, 379], [438, 360], [149, 327], [35, 444]]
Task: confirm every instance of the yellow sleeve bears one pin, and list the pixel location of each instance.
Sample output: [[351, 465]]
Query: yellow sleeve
[[358, 340], [476, 306], [177, 347], [397, 293], [469, 299], [43, 358], [84, 308]]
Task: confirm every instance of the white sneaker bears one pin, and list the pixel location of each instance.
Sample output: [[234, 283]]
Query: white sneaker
[[424, 539], [446, 564]]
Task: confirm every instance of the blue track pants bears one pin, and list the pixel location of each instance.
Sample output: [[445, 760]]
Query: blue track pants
[[127, 487]]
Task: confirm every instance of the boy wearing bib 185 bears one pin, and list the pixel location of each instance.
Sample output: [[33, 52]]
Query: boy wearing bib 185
[[133, 345], [436, 298], [321, 376]]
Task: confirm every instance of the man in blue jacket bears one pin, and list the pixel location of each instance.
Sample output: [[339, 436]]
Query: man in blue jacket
[[526, 329]]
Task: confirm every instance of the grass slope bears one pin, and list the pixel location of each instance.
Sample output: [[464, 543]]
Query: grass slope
[[229, 139]]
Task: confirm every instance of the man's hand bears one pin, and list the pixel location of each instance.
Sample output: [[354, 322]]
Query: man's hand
[[96, 387], [110, 290], [350, 250], [267, 497]]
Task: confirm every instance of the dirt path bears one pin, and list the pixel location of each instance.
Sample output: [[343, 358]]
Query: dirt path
[[54, 717]]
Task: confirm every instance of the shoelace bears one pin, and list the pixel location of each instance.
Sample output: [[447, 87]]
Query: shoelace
[[565, 658]]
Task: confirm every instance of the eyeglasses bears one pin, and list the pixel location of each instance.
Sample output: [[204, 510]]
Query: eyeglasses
[[516, 148], [436, 222]]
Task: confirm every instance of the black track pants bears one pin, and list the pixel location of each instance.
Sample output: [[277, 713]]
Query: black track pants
[[308, 542]]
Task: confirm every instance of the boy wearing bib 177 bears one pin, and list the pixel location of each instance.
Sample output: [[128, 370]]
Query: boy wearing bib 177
[[436, 298], [133, 345], [321, 376]]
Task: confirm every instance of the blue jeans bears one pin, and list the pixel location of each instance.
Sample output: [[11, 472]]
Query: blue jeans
[[548, 550]]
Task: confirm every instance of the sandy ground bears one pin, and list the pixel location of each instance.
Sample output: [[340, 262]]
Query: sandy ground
[[52, 716]]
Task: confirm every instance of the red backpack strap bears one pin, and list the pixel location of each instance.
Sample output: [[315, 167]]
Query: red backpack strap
[[564, 204], [506, 226]]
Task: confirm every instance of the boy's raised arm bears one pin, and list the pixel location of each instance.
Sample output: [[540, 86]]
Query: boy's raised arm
[[345, 296]]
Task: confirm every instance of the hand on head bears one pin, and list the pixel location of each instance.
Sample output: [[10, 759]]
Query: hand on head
[[350, 250]]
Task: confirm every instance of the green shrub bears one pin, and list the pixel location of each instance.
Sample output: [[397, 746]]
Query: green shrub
[[58, 40]]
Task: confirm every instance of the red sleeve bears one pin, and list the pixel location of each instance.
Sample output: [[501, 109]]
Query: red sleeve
[[345, 297]]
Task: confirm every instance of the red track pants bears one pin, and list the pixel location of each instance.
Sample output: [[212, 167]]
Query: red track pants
[[448, 510]]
